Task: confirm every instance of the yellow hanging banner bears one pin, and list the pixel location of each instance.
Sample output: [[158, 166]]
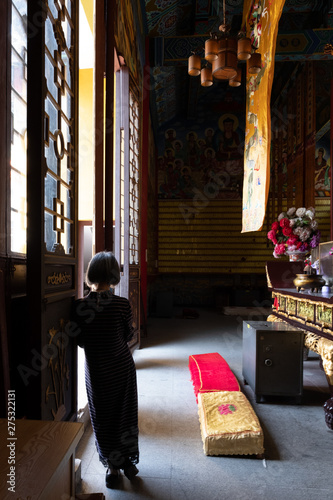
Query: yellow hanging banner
[[260, 21]]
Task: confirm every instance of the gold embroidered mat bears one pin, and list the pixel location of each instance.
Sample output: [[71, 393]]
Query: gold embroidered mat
[[229, 425]]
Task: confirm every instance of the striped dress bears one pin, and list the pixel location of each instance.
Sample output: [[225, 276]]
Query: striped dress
[[105, 326]]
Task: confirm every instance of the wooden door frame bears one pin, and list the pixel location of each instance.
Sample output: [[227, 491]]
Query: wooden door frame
[[37, 256]]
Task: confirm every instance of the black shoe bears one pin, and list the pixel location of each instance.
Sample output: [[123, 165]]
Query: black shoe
[[131, 471], [112, 478]]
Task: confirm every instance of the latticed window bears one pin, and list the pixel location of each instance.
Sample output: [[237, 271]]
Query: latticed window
[[58, 133], [127, 184], [18, 156], [134, 173]]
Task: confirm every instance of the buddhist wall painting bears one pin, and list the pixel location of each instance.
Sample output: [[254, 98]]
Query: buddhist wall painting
[[194, 159], [323, 167]]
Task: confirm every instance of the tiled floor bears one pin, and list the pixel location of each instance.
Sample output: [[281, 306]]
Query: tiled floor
[[172, 464]]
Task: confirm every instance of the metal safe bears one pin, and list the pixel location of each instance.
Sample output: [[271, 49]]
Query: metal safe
[[273, 359]]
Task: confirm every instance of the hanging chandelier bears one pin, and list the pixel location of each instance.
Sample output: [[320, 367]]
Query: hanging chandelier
[[222, 53]]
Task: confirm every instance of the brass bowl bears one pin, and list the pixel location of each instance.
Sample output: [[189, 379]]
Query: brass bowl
[[313, 282]]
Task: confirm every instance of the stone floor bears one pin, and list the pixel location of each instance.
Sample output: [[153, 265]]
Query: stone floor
[[298, 444]]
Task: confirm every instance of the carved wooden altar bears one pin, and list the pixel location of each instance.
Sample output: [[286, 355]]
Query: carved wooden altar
[[309, 311]]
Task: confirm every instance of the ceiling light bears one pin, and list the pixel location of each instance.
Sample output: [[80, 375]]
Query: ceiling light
[[222, 53]]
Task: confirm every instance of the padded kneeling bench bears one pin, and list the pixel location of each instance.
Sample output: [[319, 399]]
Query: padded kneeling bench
[[229, 425], [210, 373]]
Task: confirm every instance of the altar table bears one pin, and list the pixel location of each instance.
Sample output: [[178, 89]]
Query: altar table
[[312, 312]]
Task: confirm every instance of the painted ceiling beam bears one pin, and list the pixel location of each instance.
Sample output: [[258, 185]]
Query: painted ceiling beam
[[290, 7], [293, 46]]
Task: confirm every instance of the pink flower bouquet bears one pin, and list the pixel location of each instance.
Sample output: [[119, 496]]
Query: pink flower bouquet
[[295, 230]]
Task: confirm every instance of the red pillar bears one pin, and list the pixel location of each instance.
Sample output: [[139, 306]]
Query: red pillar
[[144, 179], [331, 137], [111, 16], [99, 70]]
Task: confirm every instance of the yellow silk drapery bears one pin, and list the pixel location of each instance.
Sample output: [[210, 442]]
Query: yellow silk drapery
[[260, 20]]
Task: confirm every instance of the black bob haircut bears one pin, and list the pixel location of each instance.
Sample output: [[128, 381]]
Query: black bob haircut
[[103, 268]]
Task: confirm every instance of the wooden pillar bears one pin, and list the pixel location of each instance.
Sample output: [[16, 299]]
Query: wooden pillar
[[4, 125], [280, 177], [111, 16], [4, 362], [309, 136], [144, 180], [271, 216], [35, 197], [80, 263], [291, 137], [299, 159], [99, 70]]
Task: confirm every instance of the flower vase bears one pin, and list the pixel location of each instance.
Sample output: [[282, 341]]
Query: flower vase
[[296, 255]]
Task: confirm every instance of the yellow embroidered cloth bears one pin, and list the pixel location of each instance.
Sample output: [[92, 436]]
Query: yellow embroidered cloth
[[260, 21], [229, 425]]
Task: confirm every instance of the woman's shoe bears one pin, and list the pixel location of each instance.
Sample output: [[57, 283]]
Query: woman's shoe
[[112, 477], [131, 471]]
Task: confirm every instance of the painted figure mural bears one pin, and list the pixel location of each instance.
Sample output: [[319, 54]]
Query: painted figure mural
[[193, 159], [322, 174]]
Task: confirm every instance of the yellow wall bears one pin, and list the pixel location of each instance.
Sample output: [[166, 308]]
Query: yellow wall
[[88, 7], [86, 131], [209, 239]]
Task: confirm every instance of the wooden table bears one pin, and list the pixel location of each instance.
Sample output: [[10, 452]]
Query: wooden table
[[42, 454]]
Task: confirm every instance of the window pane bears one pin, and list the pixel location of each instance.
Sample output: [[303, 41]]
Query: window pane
[[50, 41], [50, 191], [67, 32], [53, 9], [18, 152], [18, 232], [68, 4], [66, 238], [19, 83], [18, 160], [49, 73], [53, 115], [19, 112], [51, 160], [50, 234], [19, 34]]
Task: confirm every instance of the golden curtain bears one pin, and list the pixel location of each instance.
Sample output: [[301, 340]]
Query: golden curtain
[[260, 20]]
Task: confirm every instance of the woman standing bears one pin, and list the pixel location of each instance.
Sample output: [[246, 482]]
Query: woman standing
[[105, 325]]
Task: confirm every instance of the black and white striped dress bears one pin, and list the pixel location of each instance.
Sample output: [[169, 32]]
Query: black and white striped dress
[[105, 323]]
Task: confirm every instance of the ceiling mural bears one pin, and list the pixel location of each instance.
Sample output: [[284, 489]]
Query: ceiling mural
[[177, 27]]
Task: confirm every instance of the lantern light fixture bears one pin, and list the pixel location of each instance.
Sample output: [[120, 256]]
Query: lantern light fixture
[[222, 52], [194, 65], [206, 77], [237, 80]]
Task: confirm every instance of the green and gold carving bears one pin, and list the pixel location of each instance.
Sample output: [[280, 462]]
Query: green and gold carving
[[324, 315], [306, 310], [282, 303], [291, 306]]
